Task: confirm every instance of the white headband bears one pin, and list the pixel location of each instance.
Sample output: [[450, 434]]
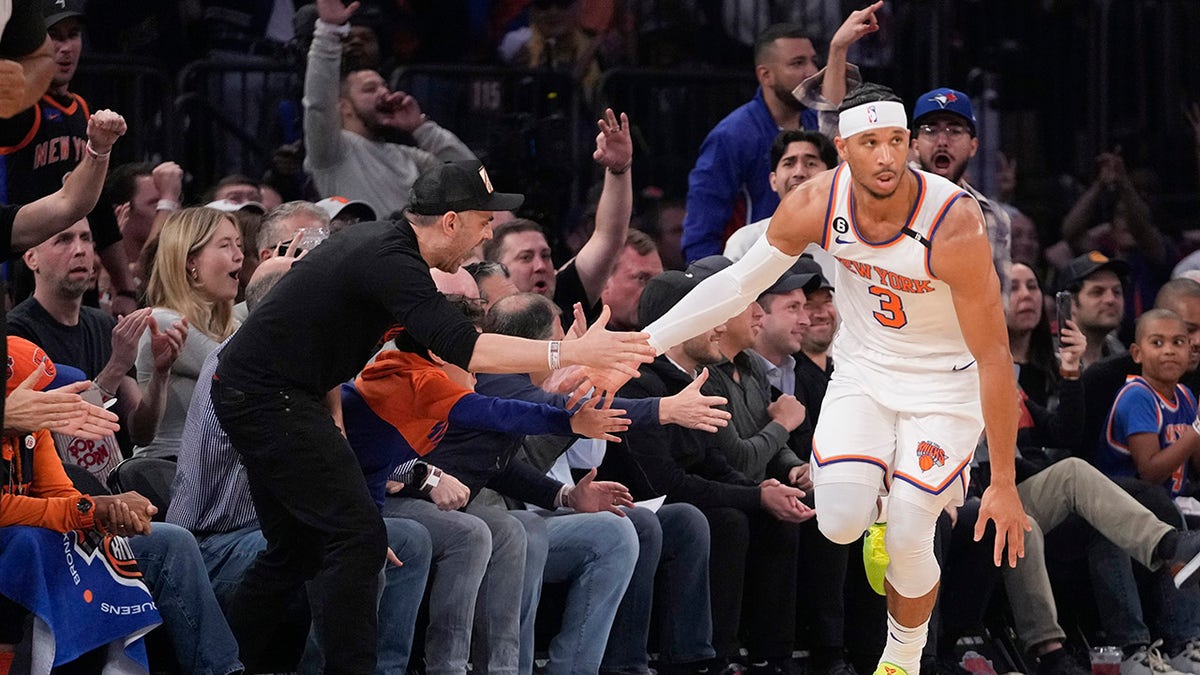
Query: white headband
[[875, 115]]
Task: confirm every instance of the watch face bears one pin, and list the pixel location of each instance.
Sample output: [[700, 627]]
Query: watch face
[[84, 505]]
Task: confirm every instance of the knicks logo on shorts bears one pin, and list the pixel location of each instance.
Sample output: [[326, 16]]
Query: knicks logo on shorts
[[929, 455]]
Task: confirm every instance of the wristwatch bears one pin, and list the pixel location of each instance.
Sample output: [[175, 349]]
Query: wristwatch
[[86, 508], [426, 477]]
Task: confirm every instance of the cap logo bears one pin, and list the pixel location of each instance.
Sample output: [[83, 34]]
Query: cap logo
[[487, 182], [1097, 257], [943, 99], [61, 4]]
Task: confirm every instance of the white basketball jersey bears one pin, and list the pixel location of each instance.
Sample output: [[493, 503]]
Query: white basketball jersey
[[895, 312]]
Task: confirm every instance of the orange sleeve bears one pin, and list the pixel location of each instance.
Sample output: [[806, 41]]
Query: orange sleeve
[[52, 501], [49, 477]]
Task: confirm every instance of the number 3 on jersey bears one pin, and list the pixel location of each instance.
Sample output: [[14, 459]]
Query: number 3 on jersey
[[891, 310]]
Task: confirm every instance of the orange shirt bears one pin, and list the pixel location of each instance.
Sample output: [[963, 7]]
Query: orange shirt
[[38, 491]]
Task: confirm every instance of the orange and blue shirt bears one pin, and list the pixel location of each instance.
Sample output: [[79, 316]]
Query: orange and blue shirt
[[1140, 409]]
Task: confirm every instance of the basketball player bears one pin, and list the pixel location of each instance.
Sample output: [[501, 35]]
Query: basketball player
[[923, 357]]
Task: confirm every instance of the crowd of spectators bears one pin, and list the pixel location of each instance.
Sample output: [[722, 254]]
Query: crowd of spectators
[[153, 319]]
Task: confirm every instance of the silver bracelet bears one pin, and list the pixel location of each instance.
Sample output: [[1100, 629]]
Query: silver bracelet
[[554, 354]]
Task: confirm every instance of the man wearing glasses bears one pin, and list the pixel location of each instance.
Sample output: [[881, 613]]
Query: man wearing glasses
[[943, 139]]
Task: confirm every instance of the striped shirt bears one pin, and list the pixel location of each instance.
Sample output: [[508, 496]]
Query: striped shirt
[[210, 494]]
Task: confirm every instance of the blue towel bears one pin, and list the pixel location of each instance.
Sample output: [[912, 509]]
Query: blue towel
[[84, 585]]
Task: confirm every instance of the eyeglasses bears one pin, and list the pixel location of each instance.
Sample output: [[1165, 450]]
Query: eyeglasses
[[952, 131]]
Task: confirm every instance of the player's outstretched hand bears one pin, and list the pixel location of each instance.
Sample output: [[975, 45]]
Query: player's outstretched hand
[[1002, 505], [610, 358], [692, 409]]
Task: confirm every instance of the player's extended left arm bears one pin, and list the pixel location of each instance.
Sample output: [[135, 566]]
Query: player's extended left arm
[[721, 296]]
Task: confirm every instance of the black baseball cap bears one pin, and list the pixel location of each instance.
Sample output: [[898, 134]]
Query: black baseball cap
[[805, 273], [459, 186], [708, 266], [1084, 266], [807, 265], [662, 292], [54, 11]]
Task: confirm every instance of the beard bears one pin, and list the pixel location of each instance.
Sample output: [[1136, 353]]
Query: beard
[[785, 95], [68, 288]]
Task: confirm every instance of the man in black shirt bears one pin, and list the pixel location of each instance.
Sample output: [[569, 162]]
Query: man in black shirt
[[753, 525], [42, 144], [25, 226], [55, 319], [314, 331]]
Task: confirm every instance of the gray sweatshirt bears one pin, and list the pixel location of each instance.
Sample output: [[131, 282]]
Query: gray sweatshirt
[[348, 165]]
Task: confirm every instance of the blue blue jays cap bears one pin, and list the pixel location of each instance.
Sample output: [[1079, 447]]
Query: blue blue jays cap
[[944, 100]]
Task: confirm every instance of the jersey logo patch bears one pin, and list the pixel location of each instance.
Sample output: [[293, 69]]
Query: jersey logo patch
[[930, 454], [840, 225]]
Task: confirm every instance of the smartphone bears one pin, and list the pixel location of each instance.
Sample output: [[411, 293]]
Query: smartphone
[[1062, 308]]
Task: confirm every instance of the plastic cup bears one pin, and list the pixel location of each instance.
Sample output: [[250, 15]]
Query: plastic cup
[[1106, 660]]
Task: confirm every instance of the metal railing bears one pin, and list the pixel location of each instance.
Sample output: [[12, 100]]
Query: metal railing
[[527, 126], [231, 114], [671, 112], [140, 91]]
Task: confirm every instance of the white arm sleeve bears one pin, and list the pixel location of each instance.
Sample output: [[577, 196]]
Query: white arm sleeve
[[721, 296]]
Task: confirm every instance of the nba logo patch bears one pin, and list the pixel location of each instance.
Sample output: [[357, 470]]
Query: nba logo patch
[[872, 114]]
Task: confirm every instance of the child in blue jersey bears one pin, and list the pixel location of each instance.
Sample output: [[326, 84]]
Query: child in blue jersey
[[1150, 431]]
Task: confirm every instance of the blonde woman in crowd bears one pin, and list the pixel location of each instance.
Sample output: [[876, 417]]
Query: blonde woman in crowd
[[194, 282]]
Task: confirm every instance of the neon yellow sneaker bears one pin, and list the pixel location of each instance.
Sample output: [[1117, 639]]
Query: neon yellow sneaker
[[875, 558], [885, 668]]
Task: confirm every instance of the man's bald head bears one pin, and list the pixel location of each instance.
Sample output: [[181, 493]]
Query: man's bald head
[[527, 315]]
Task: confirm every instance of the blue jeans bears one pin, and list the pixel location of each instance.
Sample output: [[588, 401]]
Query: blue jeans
[[462, 547], [229, 555], [174, 571], [502, 609], [595, 554], [671, 575]]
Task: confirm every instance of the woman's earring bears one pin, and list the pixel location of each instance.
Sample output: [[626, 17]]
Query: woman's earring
[[194, 274]]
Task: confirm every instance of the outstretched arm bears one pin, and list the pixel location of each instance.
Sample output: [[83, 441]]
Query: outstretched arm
[[962, 258], [614, 152], [796, 223], [322, 120]]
